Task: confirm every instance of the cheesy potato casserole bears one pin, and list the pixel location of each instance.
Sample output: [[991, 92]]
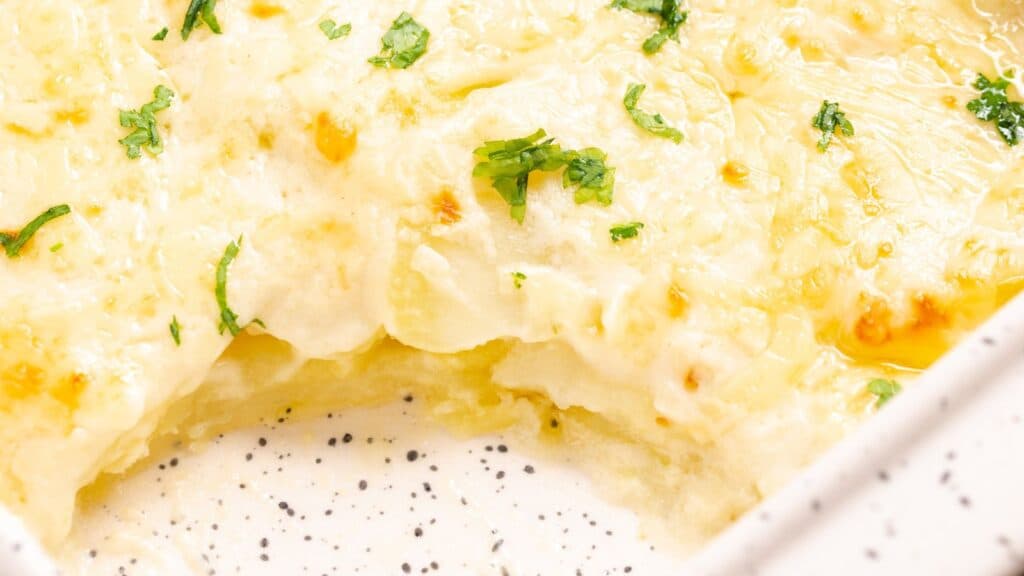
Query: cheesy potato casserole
[[697, 243]]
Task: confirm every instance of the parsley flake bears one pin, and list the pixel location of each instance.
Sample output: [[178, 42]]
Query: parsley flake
[[144, 121], [517, 279], [993, 105], [672, 18], [56, 247], [228, 318], [333, 31], [884, 389], [508, 164], [175, 330], [595, 180], [159, 36], [403, 44], [653, 123], [626, 231], [200, 10], [828, 118], [13, 243]]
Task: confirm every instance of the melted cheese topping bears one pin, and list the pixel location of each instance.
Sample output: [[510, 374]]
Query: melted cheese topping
[[727, 345]]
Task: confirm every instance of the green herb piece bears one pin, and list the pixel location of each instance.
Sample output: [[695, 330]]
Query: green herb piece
[[13, 243], [653, 123], [508, 164], [587, 169], [228, 319], [884, 390], [626, 231], [672, 18], [56, 247], [827, 120], [159, 36], [639, 6], [144, 121], [517, 279], [176, 330], [200, 10], [993, 105], [403, 44], [333, 31]]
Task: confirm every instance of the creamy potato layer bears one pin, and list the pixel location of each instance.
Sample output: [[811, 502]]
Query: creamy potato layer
[[699, 363]]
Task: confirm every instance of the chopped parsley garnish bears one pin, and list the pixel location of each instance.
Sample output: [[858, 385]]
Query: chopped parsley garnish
[[200, 10], [587, 170], [159, 36], [517, 279], [884, 390], [175, 330], [13, 243], [672, 18], [403, 44], [827, 120], [56, 247], [144, 121], [508, 164], [333, 31], [228, 318], [653, 123], [993, 105], [626, 231]]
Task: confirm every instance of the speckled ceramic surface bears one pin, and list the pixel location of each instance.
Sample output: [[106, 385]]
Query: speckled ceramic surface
[[363, 492], [933, 485]]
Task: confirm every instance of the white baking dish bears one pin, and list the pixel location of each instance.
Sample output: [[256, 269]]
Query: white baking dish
[[931, 485]]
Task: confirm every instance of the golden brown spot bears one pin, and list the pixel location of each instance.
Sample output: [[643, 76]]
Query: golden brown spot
[[735, 173], [949, 101], [409, 114], [928, 314], [56, 86], [19, 130], [69, 390], [266, 139], [810, 48], [814, 50], [662, 421], [865, 17], [692, 382], [735, 95], [678, 303], [335, 143], [873, 326], [885, 249], [76, 116], [915, 340], [22, 381], [446, 207], [265, 10]]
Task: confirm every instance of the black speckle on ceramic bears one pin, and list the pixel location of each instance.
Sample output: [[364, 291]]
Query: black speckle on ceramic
[[405, 499]]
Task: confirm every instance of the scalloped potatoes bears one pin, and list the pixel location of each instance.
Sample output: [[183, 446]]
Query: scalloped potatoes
[[706, 359]]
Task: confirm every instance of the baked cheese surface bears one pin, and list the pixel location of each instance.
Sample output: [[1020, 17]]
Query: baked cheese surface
[[732, 338]]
